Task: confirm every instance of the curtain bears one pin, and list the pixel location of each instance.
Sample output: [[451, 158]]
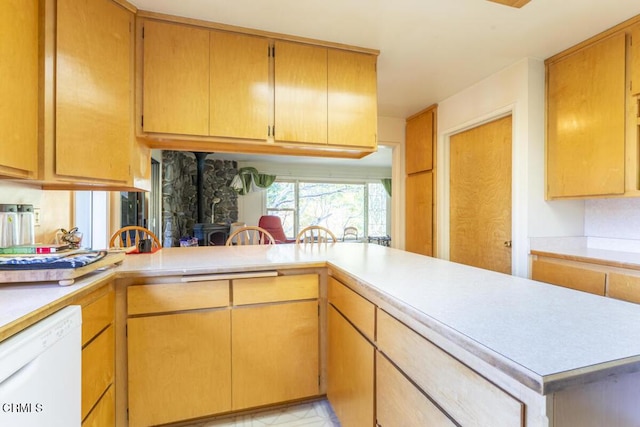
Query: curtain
[[386, 183], [249, 180]]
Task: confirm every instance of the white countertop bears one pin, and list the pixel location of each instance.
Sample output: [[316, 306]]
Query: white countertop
[[542, 335]]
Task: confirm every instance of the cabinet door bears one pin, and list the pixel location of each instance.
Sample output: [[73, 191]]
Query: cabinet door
[[239, 101], [350, 373], [419, 213], [399, 402], [300, 93], [93, 132], [175, 93], [179, 366], [352, 99], [569, 276], [19, 88], [586, 121], [419, 142], [275, 354], [634, 56]]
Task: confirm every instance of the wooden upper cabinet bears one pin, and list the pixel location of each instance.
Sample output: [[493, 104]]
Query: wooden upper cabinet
[[352, 98], [586, 121], [634, 55], [239, 84], [419, 141], [175, 79], [93, 103], [300, 93], [19, 88]]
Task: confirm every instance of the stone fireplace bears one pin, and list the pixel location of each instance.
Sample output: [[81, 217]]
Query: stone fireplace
[[183, 215]]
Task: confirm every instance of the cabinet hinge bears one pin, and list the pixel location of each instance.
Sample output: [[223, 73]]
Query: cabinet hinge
[[143, 32], [318, 380], [127, 414], [318, 310], [273, 51], [142, 121], [126, 330], [273, 131], [268, 130]]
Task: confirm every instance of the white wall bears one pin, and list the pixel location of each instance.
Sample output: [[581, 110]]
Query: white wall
[[518, 89]]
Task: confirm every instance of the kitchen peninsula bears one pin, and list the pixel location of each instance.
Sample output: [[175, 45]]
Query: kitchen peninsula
[[487, 348]]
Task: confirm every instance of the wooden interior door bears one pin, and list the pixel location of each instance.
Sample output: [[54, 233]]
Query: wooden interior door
[[480, 196], [239, 85]]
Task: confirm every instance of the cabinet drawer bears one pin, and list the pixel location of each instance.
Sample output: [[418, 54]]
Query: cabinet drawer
[[358, 310], [96, 316], [400, 402], [581, 279], [624, 286], [159, 298], [104, 414], [469, 398], [97, 368], [273, 289]]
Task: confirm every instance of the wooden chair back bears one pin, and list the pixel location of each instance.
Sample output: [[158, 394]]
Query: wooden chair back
[[350, 233], [316, 234], [130, 236], [250, 235]]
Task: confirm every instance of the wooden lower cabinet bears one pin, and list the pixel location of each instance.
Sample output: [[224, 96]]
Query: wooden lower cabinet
[[350, 372], [398, 399], [98, 358], [275, 355], [179, 366], [569, 276]]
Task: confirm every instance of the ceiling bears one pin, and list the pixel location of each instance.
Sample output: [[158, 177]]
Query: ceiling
[[429, 49]]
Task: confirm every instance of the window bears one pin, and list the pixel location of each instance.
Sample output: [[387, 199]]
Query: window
[[334, 205]]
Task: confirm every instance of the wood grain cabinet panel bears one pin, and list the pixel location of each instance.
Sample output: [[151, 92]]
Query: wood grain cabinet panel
[[574, 277], [103, 414], [98, 368], [624, 287], [175, 79], [275, 289], [179, 366], [239, 76], [275, 355], [164, 297], [93, 102], [358, 310], [419, 213], [586, 121], [634, 55], [398, 399], [19, 88], [96, 316], [300, 93], [350, 373], [466, 396], [419, 142], [352, 99]]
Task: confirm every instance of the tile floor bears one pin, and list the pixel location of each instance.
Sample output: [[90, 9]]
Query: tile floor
[[313, 414]]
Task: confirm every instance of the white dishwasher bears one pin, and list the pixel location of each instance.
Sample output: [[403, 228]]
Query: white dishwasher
[[40, 373]]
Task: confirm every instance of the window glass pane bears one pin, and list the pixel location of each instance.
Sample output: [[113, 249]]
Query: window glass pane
[[331, 205], [377, 210], [281, 201], [287, 217]]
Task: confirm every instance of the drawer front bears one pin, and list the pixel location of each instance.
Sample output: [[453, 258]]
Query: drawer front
[[358, 310], [581, 279], [398, 402], [96, 316], [624, 287], [104, 414], [142, 299], [273, 289], [465, 395], [97, 368]]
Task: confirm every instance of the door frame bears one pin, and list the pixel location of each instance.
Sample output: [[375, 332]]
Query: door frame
[[518, 189]]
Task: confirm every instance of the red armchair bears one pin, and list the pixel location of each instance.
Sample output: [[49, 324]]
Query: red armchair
[[273, 224]]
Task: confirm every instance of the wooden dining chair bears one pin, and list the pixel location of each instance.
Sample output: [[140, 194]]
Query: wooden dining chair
[[250, 235], [350, 233], [316, 234], [130, 236]]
